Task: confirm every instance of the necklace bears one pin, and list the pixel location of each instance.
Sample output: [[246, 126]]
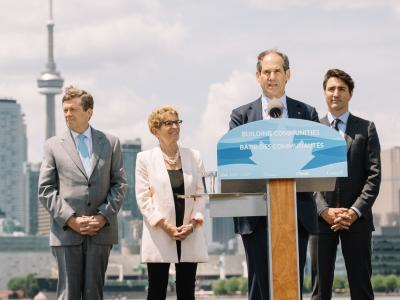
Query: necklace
[[171, 160]]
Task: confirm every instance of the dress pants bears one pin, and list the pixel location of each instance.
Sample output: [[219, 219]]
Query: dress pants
[[158, 280], [256, 246], [81, 270], [356, 249]]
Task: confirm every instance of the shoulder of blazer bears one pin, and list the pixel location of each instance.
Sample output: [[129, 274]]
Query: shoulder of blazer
[[354, 119], [249, 106], [299, 104]]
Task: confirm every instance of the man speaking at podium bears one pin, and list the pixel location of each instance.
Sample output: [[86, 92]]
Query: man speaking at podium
[[346, 213], [272, 74]]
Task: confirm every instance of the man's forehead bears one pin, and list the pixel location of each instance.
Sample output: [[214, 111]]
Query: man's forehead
[[335, 81], [272, 60]]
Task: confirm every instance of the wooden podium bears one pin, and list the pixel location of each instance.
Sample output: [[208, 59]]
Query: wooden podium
[[272, 160]]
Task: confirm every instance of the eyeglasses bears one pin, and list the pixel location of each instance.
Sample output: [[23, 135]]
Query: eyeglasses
[[170, 123]]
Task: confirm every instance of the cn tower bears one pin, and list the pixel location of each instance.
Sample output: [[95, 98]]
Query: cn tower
[[50, 82]]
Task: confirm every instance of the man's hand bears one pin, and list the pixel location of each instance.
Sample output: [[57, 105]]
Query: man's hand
[[344, 220], [86, 225], [331, 214]]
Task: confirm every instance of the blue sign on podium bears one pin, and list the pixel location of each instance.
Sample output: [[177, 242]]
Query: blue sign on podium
[[281, 148]]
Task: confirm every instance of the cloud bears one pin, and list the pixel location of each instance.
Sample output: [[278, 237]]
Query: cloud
[[239, 89], [329, 5]]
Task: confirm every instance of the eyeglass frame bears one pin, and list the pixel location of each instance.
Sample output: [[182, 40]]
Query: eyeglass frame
[[170, 123]]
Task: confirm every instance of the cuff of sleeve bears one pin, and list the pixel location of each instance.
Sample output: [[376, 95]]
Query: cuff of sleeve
[[155, 218], [359, 214], [198, 217], [322, 210]]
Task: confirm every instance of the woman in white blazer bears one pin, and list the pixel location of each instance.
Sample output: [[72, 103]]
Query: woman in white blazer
[[172, 225]]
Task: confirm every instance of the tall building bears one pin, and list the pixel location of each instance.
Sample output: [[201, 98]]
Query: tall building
[[386, 209], [223, 232], [50, 82], [13, 154], [31, 176], [130, 149]]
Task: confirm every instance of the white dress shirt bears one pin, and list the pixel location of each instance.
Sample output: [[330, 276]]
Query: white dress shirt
[[264, 104]]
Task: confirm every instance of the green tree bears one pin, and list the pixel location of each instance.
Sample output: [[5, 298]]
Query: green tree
[[232, 285], [219, 287], [378, 283], [340, 283], [391, 283], [243, 285], [28, 284], [307, 284]]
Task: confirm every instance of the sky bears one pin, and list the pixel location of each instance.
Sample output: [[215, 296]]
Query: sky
[[198, 56]]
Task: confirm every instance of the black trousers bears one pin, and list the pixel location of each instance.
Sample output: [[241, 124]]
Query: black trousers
[[356, 249], [256, 245], [158, 280]]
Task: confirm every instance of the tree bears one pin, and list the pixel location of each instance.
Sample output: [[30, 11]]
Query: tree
[[219, 288], [391, 283], [232, 285], [378, 283], [28, 284], [243, 285]]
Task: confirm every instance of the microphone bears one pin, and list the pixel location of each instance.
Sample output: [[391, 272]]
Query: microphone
[[275, 108]]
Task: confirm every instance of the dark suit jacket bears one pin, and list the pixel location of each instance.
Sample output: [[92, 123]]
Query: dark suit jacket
[[361, 187], [306, 209]]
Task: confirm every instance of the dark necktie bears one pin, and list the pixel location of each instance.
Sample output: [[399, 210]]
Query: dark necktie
[[335, 124]]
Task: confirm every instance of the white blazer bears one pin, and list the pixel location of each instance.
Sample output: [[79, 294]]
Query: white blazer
[[155, 200]]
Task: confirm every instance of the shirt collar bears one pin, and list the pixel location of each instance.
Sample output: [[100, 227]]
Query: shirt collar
[[343, 117], [87, 133], [265, 100]]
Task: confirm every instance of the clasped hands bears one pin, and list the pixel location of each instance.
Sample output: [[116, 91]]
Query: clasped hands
[[339, 218], [176, 233], [87, 225]]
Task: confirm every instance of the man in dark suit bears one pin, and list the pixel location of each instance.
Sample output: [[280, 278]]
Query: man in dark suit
[[273, 72], [82, 184], [346, 213]]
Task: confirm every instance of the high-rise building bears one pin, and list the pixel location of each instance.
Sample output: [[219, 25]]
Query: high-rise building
[[31, 176], [130, 149], [386, 208], [13, 154], [223, 232], [50, 82]]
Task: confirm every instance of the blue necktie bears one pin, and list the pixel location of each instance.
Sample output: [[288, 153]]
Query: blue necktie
[[84, 153]]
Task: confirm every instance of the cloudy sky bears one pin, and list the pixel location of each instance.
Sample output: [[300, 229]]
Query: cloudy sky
[[199, 56]]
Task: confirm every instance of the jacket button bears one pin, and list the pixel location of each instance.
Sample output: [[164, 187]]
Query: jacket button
[[88, 204]]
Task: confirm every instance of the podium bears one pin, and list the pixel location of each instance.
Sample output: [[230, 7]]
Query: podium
[[261, 166]]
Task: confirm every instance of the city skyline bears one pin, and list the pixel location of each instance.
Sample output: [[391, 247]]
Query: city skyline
[[199, 57]]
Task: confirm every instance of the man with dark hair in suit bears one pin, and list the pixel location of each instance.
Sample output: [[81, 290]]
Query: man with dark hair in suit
[[272, 74], [82, 184], [345, 214]]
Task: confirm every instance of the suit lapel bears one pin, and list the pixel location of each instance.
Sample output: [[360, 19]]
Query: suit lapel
[[68, 144], [186, 170], [294, 111], [255, 112], [351, 128], [97, 147]]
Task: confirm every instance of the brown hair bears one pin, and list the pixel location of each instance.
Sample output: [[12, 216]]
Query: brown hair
[[72, 92], [261, 56], [342, 75], [156, 117]]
